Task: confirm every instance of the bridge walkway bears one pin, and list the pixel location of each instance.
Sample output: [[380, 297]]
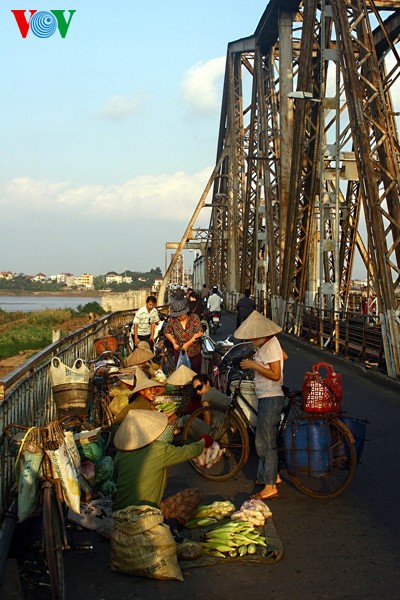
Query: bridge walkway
[[348, 547]]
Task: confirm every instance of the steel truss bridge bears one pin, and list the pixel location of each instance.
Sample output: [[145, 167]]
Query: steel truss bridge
[[306, 181]]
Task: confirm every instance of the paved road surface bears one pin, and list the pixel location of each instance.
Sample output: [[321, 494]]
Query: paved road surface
[[346, 548]]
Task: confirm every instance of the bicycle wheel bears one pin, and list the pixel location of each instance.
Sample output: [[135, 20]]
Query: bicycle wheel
[[53, 542], [227, 428], [341, 463]]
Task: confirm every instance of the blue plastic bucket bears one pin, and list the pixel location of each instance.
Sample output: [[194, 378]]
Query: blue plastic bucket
[[307, 447], [357, 428]]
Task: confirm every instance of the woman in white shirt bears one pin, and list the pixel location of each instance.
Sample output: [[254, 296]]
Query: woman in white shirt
[[267, 364]]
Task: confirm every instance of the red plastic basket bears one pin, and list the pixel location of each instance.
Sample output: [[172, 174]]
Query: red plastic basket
[[322, 395]]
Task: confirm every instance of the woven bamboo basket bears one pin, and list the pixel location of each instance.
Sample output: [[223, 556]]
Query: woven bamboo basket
[[71, 398]]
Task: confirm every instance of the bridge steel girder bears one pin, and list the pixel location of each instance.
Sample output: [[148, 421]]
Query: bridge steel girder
[[267, 190], [376, 147]]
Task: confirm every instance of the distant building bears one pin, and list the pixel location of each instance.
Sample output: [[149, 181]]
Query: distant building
[[6, 275], [69, 279], [39, 277], [118, 279], [113, 277], [156, 285], [85, 280]]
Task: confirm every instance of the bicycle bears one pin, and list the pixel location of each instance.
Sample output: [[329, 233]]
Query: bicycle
[[51, 499], [320, 472]]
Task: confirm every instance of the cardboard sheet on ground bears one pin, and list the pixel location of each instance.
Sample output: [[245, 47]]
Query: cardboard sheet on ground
[[272, 554]]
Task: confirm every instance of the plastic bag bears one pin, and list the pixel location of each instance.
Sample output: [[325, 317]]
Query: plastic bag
[[92, 514], [28, 483], [92, 451], [65, 470], [183, 359]]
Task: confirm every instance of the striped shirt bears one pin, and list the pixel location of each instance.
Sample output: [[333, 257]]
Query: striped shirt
[[143, 319]]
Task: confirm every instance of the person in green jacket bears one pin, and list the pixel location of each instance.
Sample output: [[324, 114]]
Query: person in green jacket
[[140, 465]]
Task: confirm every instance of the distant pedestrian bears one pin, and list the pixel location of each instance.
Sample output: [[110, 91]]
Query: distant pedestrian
[[244, 307], [205, 291]]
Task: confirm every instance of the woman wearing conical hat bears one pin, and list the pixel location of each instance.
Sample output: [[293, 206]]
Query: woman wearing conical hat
[[140, 465], [143, 395], [267, 365]]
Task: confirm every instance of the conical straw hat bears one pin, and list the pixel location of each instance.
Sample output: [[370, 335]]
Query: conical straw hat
[[144, 345], [128, 375], [139, 428], [143, 382], [181, 376], [256, 326], [139, 356]]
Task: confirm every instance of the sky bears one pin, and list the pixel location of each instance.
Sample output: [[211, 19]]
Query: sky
[[109, 135]]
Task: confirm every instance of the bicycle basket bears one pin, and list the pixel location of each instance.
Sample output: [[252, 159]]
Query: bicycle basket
[[322, 395], [61, 374]]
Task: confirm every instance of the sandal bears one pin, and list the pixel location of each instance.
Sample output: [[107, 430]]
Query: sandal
[[278, 481], [265, 498]]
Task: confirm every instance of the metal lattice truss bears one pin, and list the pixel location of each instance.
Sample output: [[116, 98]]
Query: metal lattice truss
[[307, 176]]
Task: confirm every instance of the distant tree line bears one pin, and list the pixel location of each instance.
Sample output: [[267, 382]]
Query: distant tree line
[[21, 283]]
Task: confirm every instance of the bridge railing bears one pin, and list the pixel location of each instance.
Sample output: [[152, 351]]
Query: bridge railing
[[25, 393], [358, 335]]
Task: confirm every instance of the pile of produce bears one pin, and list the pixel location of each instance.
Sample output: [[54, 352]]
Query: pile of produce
[[232, 539], [252, 511], [209, 456], [168, 406], [218, 510], [159, 376]]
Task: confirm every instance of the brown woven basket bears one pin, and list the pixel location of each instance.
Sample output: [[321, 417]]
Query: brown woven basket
[[71, 398]]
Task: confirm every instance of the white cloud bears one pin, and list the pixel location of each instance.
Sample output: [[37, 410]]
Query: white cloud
[[202, 86], [121, 107], [169, 197]]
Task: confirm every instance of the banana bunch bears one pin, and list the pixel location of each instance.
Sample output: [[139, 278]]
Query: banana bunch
[[236, 538], [167, 407], [217, 510]]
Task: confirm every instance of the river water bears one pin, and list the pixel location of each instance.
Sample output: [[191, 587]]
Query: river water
[[31, 303]]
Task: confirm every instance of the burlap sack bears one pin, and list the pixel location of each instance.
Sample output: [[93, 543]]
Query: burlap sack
[[142, 544]]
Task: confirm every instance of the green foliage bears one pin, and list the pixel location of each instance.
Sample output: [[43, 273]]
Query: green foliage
[[99, 282], [49, 316], [90, 307], [27, 337], [21, 284], [34, 330]]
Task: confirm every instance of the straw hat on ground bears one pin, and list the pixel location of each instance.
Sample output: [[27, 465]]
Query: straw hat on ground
[[178, 308], [181, 376], [139, 428], [256, 326], [139, 356], [143, 382]]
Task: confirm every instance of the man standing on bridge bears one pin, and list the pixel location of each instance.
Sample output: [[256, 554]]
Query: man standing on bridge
[[244, 307], [145, 321]]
